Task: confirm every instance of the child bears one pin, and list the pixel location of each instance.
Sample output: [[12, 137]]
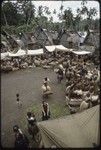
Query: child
[[18, 100]]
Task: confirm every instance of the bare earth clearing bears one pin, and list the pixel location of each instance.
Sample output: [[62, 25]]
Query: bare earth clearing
[[28, 84]]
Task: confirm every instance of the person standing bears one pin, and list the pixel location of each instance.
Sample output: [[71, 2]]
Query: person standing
[[60, 75], [18, 100], [21, 140], [45, 111], [32, 125]]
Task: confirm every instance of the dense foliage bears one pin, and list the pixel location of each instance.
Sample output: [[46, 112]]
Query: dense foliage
[[23, 16]]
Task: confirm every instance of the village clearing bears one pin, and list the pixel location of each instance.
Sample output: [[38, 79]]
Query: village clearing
[[28, 83]]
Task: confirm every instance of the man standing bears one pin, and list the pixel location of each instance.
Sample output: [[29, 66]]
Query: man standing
[[21, 140], [32, 125], [45, 111], [60, 75]]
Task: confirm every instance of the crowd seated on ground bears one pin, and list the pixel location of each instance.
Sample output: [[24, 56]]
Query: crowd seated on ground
[[18, 63], [82, 84], [47, 60], [82, 74]]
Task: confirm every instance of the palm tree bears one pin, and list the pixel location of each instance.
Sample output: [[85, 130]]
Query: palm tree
[[89, 13], [40, 10], [46, 10], [76, 22], [61, 8], [4, 16]]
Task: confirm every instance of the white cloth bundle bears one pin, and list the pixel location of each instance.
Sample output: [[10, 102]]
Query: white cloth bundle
[[44, 89]]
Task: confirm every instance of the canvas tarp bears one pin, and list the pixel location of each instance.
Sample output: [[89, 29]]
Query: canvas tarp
[[75, 131], [35, 52], [20, 52], [50, 48], [81, 52], [58, 48], [62, 48], [4, 55]]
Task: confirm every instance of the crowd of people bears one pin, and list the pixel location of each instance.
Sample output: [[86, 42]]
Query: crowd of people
[[82, 84], [18, 63], [82, 77], [23, 62], [47, 60], [21, 139]]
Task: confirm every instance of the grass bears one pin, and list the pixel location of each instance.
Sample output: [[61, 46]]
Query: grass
[[57, 110]]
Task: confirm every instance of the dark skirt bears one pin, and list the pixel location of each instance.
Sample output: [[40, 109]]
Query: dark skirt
[[45, 117], [33, 129]]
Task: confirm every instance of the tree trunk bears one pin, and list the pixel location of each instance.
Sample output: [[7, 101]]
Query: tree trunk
[[5, 18]]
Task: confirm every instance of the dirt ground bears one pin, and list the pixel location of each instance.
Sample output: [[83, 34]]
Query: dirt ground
[[28, 84]]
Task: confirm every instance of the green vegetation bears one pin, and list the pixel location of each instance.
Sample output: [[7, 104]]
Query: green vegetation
[[57, 110], [18, 16]]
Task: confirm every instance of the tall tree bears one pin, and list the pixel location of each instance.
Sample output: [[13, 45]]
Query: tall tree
[[68, 17], [88, 13], [28, 10], [9, 13], [3, 17], [61, 8], [77, 22], [40, 11]]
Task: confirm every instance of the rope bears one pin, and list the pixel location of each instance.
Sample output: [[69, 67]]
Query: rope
[[52, 137]]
